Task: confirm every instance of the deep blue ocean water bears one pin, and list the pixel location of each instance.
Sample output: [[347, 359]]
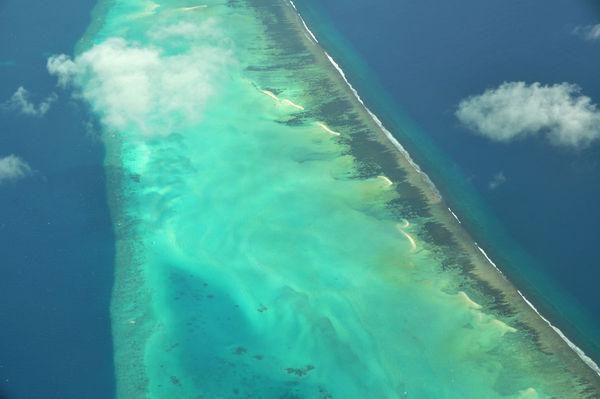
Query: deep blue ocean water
[[56, 240], [413, 61]]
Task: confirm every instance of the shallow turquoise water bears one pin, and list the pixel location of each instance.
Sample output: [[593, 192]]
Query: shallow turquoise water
[[271, 241]]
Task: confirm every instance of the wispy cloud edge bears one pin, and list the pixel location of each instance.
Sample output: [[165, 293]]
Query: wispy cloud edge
[[20, 102], [13, 168], [588, 32]]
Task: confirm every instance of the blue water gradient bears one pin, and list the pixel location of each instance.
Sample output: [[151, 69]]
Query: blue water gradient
[[413, 62], [56, 241]]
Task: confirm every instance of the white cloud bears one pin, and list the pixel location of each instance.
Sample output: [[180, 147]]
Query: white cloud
[[13, 168], [63, 68], [21, 103], [589, 32], [515, 110], [498, 180], [142, 88]]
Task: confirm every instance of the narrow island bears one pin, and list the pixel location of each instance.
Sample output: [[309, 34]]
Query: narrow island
[[273, 239]]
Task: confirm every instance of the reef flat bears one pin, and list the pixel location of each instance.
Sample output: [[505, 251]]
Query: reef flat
[[272, 239]]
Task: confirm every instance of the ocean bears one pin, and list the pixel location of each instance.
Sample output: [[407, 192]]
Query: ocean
[[413, 62], [218, 215], [56, 239]]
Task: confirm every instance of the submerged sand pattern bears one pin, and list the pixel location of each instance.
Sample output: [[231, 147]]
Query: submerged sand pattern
[[264, 248]]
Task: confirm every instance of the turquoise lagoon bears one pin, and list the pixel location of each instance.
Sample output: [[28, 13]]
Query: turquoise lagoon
[[272, 242]]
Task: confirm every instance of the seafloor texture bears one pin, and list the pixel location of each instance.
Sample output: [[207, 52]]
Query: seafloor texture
[[272, 243]]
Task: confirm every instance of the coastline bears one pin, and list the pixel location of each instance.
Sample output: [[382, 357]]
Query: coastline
[[549, 334], [130, 310], [131, 300], [97, 17], [129, 296], [463, 183]]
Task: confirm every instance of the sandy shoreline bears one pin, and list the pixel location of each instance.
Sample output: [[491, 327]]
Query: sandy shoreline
[[485, 269]]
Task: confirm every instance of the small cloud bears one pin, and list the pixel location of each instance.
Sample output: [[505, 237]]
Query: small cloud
[[588, 32], [516, 109], [13, 168], [21, 103], [498, 180], [63, 67]]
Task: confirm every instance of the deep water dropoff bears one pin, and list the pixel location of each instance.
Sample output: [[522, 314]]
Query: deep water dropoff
[[55, 231]]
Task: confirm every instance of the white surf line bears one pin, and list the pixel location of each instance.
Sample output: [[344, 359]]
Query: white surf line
[[377, 121], [327, 129], [413, 243], [314, 38], [405, 224], [586, 359], [454, 214], [387, 133], [488, 259], [387, 181]]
